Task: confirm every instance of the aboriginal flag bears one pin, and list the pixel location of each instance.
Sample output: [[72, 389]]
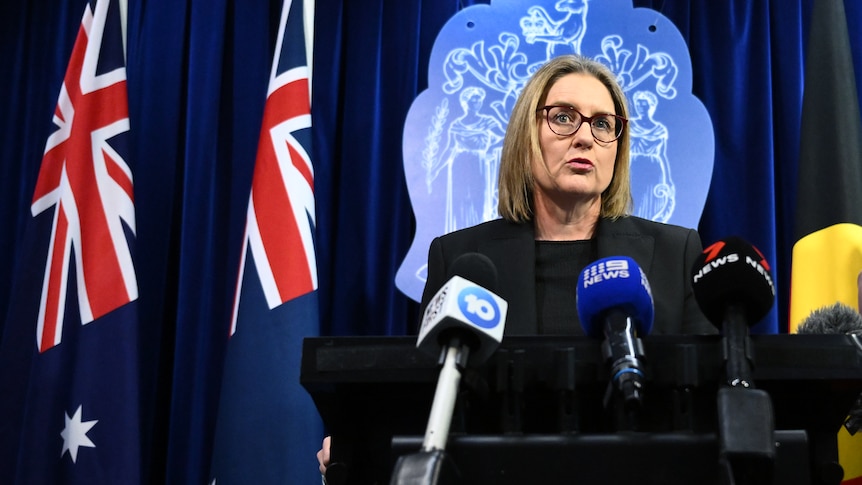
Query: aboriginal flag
[[827, 255]]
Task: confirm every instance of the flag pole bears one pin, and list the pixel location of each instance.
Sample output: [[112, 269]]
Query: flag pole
[[124, 15], [308, 21]]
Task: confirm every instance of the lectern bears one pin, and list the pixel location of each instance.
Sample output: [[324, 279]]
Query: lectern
[[538, 411]]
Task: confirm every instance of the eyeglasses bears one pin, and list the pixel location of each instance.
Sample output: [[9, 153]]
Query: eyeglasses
[[565, 120]]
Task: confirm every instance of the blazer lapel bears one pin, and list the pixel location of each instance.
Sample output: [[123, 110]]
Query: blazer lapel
[[512, 249], [619, 238]]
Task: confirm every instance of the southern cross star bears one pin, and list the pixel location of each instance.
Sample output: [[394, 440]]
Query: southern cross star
[[75, 434]]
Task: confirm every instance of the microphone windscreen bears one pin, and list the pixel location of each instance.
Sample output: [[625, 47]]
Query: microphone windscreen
[[465, 307], [837, 319], [614, 283], [477, 268], [733, 272]]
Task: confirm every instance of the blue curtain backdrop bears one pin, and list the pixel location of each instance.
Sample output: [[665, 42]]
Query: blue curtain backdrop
[[197, 77]]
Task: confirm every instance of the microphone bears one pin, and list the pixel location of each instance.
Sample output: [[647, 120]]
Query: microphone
[[732, 285], [838, 319], [614, 300], [463, 324], [734, 289], [465, 310]]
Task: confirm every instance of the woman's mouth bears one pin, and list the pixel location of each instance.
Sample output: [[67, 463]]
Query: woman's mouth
[[580, 164]]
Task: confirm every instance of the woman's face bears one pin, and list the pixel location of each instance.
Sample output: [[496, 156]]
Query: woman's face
[[575, 167]]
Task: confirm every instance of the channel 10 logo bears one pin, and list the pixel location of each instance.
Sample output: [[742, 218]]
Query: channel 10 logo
[[479, 307]]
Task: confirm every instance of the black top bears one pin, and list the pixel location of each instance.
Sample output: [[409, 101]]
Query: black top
[[558, 264]]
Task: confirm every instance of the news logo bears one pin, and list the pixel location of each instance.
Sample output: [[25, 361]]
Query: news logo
[[435, 306], [725, 257], [613, 269], [463, 306], [615, 282], [479, 307]]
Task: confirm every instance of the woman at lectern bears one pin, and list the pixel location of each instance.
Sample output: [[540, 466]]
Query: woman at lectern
[[565, 201]]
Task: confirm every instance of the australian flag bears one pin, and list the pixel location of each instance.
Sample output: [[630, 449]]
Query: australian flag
[[69, 358], [268, 430]]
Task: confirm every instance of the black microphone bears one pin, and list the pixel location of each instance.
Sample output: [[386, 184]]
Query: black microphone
[[734, 289], [614, 300], [838, 319], [463, 324]]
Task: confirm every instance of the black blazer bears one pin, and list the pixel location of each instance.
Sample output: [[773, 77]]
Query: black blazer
[[665, 252]]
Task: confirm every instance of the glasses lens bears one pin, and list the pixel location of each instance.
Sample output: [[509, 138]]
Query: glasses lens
[[565, 121], [605, 127]]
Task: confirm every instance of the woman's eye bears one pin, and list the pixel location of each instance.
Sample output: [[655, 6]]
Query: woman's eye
[[603, 124]]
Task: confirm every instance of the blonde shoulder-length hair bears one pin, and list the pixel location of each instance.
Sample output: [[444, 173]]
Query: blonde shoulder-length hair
[[521, 144]]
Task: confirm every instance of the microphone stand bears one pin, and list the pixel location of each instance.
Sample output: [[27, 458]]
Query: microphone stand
[[431, 465], [746, 425], [623, 350]]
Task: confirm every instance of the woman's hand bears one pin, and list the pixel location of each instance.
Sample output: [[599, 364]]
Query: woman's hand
[[323, 455]]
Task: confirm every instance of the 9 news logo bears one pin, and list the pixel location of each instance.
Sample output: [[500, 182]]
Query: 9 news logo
[[479, 307]]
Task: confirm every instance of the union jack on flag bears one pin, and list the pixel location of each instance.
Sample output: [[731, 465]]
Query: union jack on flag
[[267, 425], [280, 217], [85, 177]]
